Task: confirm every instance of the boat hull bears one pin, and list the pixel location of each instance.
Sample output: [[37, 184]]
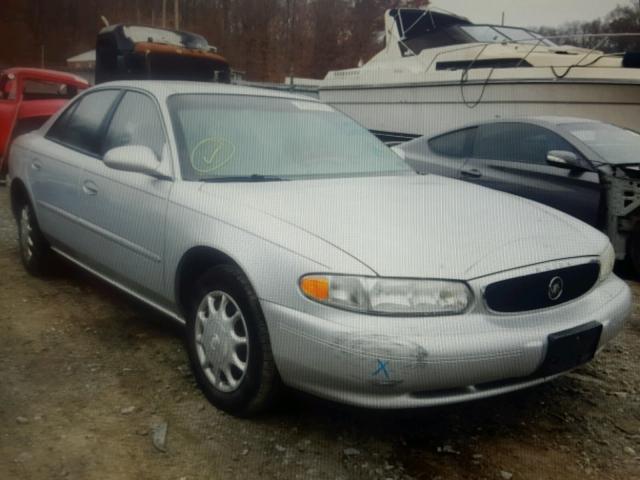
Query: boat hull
[[425, 108]]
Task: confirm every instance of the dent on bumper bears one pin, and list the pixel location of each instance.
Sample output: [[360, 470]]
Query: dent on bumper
[[437, 362]]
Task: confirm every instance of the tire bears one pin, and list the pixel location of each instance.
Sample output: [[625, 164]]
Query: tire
[[34, 248], [632, 258], [219, 344]]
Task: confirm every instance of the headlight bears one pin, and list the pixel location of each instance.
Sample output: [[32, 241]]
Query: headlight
[[388, 296], [607, 260]]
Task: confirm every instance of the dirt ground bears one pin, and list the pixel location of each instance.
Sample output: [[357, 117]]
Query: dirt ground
[[88, 378]]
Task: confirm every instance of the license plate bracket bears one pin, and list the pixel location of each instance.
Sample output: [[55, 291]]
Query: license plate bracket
[[571, 348]]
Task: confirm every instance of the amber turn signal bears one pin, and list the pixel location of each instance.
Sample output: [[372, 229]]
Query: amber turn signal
[[316, 288]]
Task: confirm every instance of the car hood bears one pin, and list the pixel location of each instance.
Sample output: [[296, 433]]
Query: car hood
[[419, 226]]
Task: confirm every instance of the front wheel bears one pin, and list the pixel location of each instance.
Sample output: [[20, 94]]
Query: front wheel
[[633, 249], [228, 343], [34, 249]]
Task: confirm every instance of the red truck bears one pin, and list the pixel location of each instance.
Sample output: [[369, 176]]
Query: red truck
[[28, 97]]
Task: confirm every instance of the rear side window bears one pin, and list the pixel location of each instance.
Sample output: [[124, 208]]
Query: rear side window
[[518, 142], [57, 130], [455, 144], [80, 129], [135, 122]]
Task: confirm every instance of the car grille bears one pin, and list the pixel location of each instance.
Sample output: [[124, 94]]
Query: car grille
[[541, 290]]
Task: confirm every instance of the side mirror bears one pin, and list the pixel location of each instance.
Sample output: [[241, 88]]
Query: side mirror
[[564, 159], [133, 158]]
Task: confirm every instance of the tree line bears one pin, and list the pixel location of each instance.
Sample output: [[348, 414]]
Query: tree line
[[622, 19], [265, 39]]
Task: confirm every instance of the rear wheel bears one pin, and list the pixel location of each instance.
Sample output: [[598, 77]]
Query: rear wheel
[[34, 249], [228, 343]]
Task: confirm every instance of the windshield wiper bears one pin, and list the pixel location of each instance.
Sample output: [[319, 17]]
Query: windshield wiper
[[244, 178]]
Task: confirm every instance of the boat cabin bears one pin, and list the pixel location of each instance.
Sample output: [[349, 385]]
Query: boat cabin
[[416, 30]]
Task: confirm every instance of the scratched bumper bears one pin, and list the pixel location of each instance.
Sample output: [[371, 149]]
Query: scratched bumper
[[384, 362]]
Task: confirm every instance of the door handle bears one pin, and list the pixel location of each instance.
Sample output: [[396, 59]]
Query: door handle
[[471, 172], [89, 187], [35, 165]]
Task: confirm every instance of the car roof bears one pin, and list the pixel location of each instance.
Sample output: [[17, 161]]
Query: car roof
[[166, 88], [558, 120], [546, 120], [51, 75], [540, 119]]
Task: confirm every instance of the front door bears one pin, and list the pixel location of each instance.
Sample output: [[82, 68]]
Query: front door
[[511, 157], [125, 211]]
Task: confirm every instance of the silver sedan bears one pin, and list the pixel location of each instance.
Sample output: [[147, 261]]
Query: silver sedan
[[299, 250]]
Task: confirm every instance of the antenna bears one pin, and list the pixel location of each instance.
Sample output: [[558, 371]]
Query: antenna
[[164, 13], [502, 19]]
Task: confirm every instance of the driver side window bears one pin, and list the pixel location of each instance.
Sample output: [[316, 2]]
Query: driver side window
[[517, 142], [136, 122]]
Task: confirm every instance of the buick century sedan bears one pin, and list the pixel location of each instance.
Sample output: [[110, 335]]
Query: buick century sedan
[[298, 250]]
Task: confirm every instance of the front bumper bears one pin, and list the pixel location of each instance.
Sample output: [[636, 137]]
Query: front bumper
[[390, 362]]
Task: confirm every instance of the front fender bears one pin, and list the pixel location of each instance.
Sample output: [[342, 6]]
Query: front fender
[[272, 254]]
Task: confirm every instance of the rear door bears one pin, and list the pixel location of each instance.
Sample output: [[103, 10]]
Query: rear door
[[56, 163], [511, 157], [125, 211]]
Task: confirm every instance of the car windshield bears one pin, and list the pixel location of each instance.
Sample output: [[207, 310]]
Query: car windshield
[[236, 137], [614, 144]]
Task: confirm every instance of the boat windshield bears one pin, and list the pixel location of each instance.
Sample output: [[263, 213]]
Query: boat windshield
[[496, 34], [522, 35], [484, 33]]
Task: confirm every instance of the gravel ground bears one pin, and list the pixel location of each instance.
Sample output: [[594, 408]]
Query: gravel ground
[[95, 386]]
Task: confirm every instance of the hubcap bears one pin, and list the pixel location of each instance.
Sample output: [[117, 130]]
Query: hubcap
[[221, 341], [25, 234]]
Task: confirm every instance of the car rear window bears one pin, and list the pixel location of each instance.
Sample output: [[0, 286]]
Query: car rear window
[[43, 90]]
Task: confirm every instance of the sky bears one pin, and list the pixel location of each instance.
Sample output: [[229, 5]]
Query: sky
[[530, 13]]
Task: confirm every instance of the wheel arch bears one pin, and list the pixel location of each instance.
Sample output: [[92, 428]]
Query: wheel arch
[[193, 263], [19, 194]]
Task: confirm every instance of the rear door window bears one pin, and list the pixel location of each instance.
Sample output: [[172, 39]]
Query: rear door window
[[455, 144], [57, 130], [80, 129]]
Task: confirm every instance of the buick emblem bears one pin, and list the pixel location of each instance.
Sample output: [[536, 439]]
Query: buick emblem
[[554, 290]]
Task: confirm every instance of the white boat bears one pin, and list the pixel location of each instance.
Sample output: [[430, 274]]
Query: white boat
[[438, 70]]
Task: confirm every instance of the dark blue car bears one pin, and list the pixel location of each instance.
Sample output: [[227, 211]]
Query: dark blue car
[[586, 168]]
